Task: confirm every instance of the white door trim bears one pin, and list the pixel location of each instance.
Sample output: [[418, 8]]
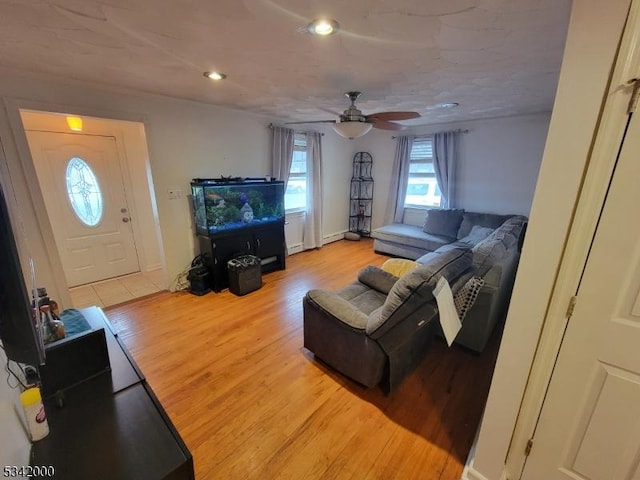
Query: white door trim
[[60, 290], [592, 194]]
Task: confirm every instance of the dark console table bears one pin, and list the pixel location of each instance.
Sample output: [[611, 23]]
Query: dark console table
[[111, 426]]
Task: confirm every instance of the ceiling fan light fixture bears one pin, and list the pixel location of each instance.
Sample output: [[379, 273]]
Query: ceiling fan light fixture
[[351, 130], [215, 75], [323, 27]]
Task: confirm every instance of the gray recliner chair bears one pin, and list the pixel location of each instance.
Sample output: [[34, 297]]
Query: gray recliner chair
[[376, 330]]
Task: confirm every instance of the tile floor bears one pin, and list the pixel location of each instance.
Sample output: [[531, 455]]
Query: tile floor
[[117, 290]]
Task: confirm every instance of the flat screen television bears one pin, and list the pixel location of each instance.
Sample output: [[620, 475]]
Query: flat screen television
[[19, 334], [223, 206]]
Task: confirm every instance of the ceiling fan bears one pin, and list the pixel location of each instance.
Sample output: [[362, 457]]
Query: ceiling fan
[[353, 124]]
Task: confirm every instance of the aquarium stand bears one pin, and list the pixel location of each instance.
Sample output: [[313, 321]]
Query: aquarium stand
[[266, 243], [234, 217]]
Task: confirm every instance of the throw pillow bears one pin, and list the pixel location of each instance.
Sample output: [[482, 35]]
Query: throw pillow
[[399, 266], [477, 234], [443, 222], [376, 278], [466, 296], [469, 219]]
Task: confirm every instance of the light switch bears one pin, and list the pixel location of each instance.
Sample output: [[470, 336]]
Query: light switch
[[174, 193]]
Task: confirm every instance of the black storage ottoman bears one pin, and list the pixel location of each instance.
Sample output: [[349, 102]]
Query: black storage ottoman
[[245, 274]]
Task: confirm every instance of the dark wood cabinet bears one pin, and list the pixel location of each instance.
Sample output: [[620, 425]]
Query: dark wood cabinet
[[265, 242], [111, 426]]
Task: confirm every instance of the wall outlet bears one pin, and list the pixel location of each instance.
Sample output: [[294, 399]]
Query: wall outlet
[[174, 193]]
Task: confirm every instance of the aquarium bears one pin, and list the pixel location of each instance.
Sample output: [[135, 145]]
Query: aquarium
[[222, 206]]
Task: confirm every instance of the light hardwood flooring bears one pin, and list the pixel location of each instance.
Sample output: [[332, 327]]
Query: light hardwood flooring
[[251, 402]]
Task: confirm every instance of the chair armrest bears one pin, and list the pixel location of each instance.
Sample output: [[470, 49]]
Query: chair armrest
[[338, 307]]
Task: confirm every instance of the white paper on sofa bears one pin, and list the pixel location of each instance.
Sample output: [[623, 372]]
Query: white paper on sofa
[[448, 314]]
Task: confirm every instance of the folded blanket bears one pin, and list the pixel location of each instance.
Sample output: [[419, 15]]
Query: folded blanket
[[74, 322]]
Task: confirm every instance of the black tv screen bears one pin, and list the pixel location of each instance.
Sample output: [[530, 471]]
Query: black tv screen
[[19, 334], [224, 206]]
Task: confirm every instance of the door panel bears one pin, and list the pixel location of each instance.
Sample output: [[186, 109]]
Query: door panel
[[89, 253], [589, 427]]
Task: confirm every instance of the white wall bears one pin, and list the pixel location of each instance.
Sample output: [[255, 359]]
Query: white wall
[[381, 147], [14, 443], [185, 140], [498, 165]]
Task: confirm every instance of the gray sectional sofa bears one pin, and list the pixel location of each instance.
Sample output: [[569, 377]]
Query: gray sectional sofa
[[494, 241]]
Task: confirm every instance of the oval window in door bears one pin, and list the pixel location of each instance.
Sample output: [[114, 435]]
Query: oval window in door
[[84, 192]]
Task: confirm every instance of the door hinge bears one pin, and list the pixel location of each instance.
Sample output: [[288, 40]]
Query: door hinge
[[572, 306], [527, 449], [633, 101]]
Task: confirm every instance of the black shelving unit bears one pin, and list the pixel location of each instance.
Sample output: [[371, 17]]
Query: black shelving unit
[[361, 196]]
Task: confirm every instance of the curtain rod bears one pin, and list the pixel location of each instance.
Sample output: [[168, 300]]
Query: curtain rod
[[459, 130], [271, 125]]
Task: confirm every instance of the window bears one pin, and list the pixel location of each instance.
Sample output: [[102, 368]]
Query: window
[[84, 192], [422, 187], [295, 196]]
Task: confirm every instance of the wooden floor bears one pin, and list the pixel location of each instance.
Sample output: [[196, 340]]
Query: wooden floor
[[251, 403]]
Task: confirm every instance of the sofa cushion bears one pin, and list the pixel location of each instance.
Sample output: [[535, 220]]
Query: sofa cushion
[[509, 232], [415, 288], [409, 235], [476, 235], [457, 245], [429, 256], [443, 222], [487, 252], [469, 219], [377, 278], [497, 245]]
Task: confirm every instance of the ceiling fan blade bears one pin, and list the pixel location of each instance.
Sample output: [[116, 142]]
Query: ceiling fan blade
[[384, 125], [328, 110], [310, 121], [393, 116]]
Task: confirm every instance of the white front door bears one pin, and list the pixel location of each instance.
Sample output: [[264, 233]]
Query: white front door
[[589, 427], [82, 186]]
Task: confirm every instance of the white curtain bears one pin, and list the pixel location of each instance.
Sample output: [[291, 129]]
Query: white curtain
[[399, 178], [444, 163], [281, 153], [312, 232]]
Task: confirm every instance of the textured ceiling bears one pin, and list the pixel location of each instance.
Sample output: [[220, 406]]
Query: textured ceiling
[[494, 57]]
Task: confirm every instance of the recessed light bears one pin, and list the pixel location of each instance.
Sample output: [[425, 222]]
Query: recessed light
[[215, 75], [323, 27], [438, 106]]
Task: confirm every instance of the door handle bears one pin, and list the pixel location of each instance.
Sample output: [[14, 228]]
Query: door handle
[[126, 219]]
